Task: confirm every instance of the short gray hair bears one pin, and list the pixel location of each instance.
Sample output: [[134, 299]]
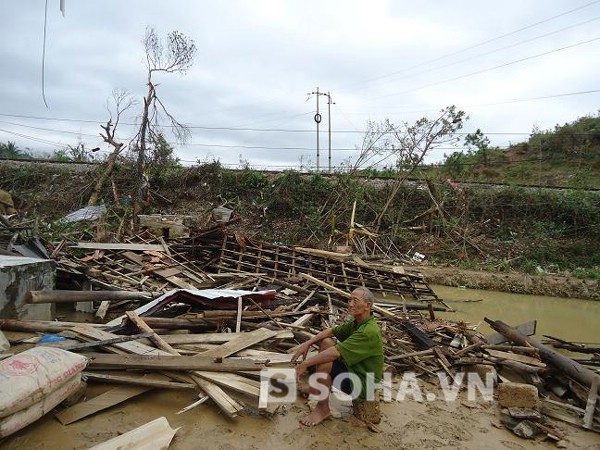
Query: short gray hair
[[366, 294]]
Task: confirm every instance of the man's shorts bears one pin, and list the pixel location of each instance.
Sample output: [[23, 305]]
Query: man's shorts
[[338, 368]]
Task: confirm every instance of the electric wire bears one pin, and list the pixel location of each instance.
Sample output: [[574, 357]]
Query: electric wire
[[44, 55], [42, 141], [488, 69], [292, 130], [480, 44], [495, 50]]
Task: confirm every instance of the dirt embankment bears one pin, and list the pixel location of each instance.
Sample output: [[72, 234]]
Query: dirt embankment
[[519, 283]]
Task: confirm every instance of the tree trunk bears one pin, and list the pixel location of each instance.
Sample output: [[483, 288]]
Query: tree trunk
[[566, 365], [141, 148], [388, 203], [110, 164]]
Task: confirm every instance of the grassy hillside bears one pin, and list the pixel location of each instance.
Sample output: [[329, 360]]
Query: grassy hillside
[[567, 156], [514, 227]]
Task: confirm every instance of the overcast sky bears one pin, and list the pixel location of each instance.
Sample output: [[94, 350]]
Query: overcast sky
[[509, 65]]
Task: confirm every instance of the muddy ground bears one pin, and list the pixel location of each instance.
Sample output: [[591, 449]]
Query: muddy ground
[[406, 424]]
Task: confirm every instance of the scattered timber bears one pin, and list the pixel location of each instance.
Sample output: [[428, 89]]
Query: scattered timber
[[566, 365]]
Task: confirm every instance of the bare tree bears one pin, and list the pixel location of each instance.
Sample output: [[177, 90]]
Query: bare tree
[[178, 56], [122, 102], [406, 145], [375, 146]]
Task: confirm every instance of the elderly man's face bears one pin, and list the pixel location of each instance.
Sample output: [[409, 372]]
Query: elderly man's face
[[357, 305]]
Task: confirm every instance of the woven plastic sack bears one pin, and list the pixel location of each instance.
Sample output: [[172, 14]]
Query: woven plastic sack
[[27, 377], [24, 417]]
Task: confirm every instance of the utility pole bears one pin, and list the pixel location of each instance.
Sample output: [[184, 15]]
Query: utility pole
[[329, 102], [318, 121]]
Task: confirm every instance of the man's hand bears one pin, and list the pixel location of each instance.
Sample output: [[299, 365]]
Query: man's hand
[[300, 369], [301, 352]]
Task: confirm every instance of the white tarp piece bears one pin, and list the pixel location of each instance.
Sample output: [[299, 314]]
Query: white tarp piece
[[90, 213], [155, 435], [27, 377], [205, 293], [222, 214]]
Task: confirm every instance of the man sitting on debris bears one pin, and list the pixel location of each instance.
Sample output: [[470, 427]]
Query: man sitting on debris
[[358, 351]]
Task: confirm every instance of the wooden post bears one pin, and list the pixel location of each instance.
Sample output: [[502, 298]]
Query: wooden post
[[238, 322], [431, 313], [590, 407]]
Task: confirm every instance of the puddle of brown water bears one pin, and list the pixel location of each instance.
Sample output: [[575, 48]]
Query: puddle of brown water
[[566, 318]]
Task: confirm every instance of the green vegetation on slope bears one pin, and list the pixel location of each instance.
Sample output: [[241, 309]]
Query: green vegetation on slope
[[513, 227]]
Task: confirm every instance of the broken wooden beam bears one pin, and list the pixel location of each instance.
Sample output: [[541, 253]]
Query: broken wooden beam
[[227, 404], [216, 338], [515, 357], [119, 246], [42, 326], [171, 362], [590, 407], [115, 340], [512, 348], [566, 365], [106, 400], [102, 310], [64, 296], [137, 381], [155, 338], [244, 340], [410, 355]]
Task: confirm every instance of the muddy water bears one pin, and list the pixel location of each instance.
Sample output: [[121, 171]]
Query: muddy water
[[567, 318]]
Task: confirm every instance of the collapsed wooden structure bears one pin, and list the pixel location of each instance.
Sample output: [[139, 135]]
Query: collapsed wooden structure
[[235, 254], [147, 263], [224, 348]]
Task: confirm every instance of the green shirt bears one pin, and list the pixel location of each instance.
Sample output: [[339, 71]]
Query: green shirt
[[361, 349]]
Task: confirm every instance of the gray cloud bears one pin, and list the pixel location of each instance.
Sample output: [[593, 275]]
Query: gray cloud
[[257, 60]]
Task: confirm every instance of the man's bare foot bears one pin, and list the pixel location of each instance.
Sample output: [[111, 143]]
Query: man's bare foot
[[306, 391], [318, 415]]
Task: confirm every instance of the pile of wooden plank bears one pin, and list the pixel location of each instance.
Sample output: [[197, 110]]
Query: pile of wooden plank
[[218, 350], [142, 263], [218, 364]]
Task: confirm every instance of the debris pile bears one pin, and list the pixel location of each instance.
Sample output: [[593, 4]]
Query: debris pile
[[208, 312]]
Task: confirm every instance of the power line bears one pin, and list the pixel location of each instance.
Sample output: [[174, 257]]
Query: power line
[[481, 105], [490, 68], [291, 130], [49, 129], [211, 145], [473, 46], [258, 147], [56, 119], [41, 141], [498, 49]]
